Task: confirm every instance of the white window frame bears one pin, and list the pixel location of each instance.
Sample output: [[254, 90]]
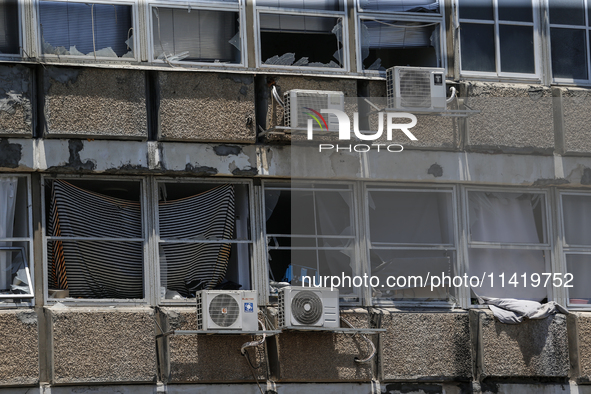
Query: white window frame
[[238, 7], [548, 247], [146, 227], [587, 28], [454, 247], [361, 14], [358, 263], [23, 50], [302, 12], [567, 249], [157, 241], [499, 75], [137, 30], [27, 300]]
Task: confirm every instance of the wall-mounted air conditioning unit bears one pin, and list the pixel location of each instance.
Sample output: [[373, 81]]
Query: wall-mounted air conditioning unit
[[308, 306], [299, 102], [227, 310], [416, 88]]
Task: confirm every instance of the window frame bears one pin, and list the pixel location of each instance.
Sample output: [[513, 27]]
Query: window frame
[[361, 15], [238, 7], [499, 75], [549, 264], [259, 63], [454, 247], [23, 50], [358, 264], [27, 300], [253, 269], [137, 31], [146, 228]]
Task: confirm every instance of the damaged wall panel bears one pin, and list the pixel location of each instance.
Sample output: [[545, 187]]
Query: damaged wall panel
[[16, 96], [95, 103], [576, 106], [19, 347], [206, 107]]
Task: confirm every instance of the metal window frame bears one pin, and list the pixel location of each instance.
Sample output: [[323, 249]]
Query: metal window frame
[[455, 247], [28, 300], [402, 17], [138, 31], [343, 15], [23, 50], [146, 230], [566, 249], [353, 187], [157, 241], [499, 75], [360, 9], [238, 7], [549, 261]]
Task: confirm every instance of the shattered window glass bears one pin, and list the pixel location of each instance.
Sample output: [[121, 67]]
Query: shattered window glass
[[301, 41], [386, 44], [9, 37], [86, 29], [196, 35], [426, 6], [321, 5]]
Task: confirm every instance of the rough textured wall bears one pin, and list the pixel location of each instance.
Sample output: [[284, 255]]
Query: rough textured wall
[[103, 345], [95, 103], [581, 345], [319, 357], [513, 118], [425, 346], [533, 348], [576, 106], [19, 347], [16, 95], [205, 358], [206, 107]]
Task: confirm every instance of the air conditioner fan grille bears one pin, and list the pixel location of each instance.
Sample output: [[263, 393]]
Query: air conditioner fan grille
[[415, 89], [224, 310], [306, 307]]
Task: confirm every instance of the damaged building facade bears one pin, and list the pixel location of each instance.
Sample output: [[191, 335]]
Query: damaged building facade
[[145, 154]]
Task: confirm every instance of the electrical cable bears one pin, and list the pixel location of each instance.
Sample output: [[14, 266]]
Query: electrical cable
[[247, 357], [276, 96], [370, 343]]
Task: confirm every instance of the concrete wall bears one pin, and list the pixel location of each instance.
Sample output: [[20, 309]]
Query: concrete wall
[[95, 103], [576, 105], [19, 348], [206, 107], [579, 332], [16, 100], [94, 345]]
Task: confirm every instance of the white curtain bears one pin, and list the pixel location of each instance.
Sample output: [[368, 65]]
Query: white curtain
[[8, 188]]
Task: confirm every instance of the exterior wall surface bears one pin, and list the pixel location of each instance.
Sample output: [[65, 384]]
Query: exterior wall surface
[[19, 348], [16, 101]]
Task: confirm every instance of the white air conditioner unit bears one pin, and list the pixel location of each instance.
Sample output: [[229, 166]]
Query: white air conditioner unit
[[298, 101], [227, 310], [308, 306], [416, 88]]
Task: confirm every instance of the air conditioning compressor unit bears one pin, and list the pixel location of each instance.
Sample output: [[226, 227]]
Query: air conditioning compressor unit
[[416, 88], [227, 310], [309, 306]]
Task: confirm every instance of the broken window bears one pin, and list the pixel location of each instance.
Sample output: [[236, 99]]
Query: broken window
[[15, 240], [570, 31], [310, 234], [501, 42], [95, 239], [423, 6], [312, 37], [9, 31], [576, 211], [205, 238], [508, 235], [86, 29], [411, 233], [196, 35], [389, 43]]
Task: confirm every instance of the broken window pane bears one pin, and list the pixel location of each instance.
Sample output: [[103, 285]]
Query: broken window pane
[[321, 5], [478, 47], [196, 221], [386, 44], [569, 53], [299, 40], [400, 5], [515, 10], [196, 35], [579, 265], [476, 9], [9, 31], [86, 29], [517, 49], [96, 248], [567, 12]]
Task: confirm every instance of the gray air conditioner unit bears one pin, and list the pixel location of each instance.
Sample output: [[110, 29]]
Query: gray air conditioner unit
[[227, 310], [309, 306], [416, 88], [299, 102]]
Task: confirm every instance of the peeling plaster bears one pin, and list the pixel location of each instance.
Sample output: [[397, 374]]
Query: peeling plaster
[[10, 154], [27, 317], [406, 388], [200, 170], [436, 170], [251, 171], [75, 146], [586, 178], [61, 75], [226, 150], [551, 182], [15, 91]]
